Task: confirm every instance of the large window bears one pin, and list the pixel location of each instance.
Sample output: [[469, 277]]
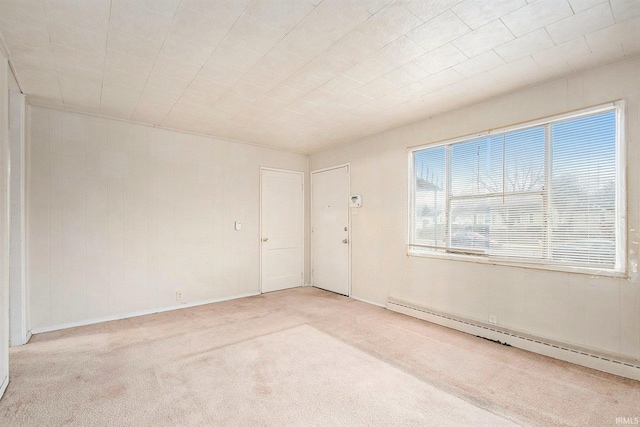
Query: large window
[[549, 193]]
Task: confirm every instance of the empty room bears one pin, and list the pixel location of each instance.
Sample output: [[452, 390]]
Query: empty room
[[319, 212]]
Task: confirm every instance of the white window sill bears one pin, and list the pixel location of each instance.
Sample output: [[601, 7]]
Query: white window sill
[[520, 264]]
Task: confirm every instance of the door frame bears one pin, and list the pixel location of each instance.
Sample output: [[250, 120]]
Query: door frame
[[265, 168], [311, 174]]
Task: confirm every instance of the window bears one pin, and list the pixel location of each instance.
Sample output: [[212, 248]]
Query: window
[[549, 193]]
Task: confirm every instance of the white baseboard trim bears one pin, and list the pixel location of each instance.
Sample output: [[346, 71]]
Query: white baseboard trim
[[136, 314], [29, 335], [368, 301], [307, 285], [3, 387], [613, 364]]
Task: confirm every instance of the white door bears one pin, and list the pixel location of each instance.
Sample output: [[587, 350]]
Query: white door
[[330, 229], [282, 229]]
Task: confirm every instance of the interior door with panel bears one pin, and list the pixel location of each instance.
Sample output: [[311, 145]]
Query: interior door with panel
[[282, 229], [330, 229]]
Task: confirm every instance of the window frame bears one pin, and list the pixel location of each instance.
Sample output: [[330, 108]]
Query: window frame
[[620, 268]]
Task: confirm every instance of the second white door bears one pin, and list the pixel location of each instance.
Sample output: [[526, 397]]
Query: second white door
[[282, 227], [330, 229]]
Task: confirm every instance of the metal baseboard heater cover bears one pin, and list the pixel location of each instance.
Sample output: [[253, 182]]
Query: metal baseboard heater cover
[[613, 364]]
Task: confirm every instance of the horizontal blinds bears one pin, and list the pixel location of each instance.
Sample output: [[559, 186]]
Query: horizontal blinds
[[583, 190], [547, 192]]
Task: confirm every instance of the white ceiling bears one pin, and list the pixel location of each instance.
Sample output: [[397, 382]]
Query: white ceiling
[[301, 74]]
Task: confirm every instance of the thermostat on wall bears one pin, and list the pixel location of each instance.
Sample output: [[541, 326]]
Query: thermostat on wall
[[355, 201]]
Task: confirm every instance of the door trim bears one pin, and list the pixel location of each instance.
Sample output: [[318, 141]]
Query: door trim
[[348, 166], [265, 168]]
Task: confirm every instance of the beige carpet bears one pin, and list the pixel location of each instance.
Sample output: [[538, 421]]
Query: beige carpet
[[297, 357]]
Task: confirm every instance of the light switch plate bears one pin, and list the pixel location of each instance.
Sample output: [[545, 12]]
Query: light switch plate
[[238, 226]]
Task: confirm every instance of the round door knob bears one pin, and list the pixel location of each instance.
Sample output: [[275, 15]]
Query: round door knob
[[264, 239]]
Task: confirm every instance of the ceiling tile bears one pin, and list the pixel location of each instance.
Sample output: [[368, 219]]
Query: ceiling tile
[[440, 59], [525, 46], [483, 39], [580, 24], [115, 77], [599, 58], [234, 55], [282, 15], [72, 71], [183, 49], [43, 82], [133, 17], [625, 9], [399, 52], [220, 74], [34, 58], [580, 5], [281, 61], [352, 100], [427, 10], [156, 95], [384, 102], [254, 35], [330, 21], [205, 29], [92, 15], [80, 59], [206, 98], [439, 31], [520, 70], [206, 6], [178, 69], [562, 53], [127, 63], [301, 74], [479, 64], [319, 97], [158, 79], [133, 44], [325, 66], [303, 81], [341, 84], [354, 47], [406, 74], [18, 36], [285, 93], [368, 70], [77, 38], [264, 78], [248, 90], [24, 12], [377, 88], [442, 79], [389, 24], [625, 33], [476, 13], [536, 15]]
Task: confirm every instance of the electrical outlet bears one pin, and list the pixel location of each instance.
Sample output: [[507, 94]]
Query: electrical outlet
[[493, 319], [178, 295]]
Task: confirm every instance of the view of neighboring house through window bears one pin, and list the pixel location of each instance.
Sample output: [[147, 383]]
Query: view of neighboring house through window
[[545, 192]]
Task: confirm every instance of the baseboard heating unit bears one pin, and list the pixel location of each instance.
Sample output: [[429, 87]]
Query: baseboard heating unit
[[613, 364]]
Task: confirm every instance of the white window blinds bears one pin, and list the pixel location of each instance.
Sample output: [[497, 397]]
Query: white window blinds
[[546, 192]]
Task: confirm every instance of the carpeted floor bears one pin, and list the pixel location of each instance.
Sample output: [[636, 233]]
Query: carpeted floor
[[298, 357]]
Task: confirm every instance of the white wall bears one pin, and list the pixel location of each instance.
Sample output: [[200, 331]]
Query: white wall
[[17, 286], [595, 312], [120, 216], [4, 224]]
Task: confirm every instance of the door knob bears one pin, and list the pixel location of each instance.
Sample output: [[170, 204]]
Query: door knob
[[264, 239], [345, 241]]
